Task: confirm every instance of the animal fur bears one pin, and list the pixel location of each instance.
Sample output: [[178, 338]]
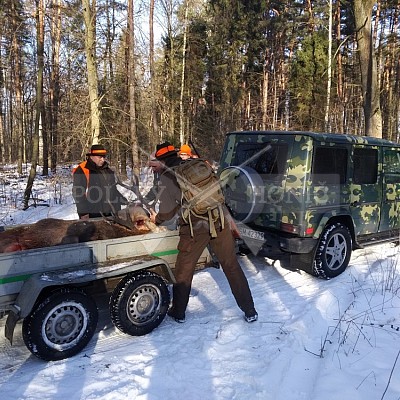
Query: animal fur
[[133, 220]]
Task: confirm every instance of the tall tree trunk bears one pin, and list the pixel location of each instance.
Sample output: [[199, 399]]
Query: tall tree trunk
[[329, 74], [3, 155], [182, 138], [265, 83], [110, 34], [89, 14], [369, 74], [16, 71], [390, 73], [168, 117], [265, 98], [394, 81], [55, 82], [339, 88], [39, 99], [131, 92], [152, 77], [44, 154]]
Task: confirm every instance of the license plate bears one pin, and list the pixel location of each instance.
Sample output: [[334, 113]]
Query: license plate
[[250, 233]]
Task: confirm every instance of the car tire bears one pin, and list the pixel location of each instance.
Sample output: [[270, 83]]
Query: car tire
[[333, 251], [139, 303], [61, 324]]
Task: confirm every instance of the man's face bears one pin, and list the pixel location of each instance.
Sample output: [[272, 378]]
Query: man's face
[[156, 166], [98, 160], [184, 156]]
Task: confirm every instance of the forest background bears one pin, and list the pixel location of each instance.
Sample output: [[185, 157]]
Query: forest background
[[130, 74]]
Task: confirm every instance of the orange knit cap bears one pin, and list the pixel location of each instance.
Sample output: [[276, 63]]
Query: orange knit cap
[[185, 149], [97, 150]]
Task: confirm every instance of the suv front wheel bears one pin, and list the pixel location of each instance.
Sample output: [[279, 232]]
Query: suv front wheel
[[333, 252]]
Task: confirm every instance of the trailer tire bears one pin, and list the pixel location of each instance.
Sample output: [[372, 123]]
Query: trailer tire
[[139, 303], [61, 324]]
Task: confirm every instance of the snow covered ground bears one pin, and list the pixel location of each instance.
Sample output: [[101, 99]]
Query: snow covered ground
[[315, 339]]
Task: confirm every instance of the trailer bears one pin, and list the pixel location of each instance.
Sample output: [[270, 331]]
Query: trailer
[[52, 290]]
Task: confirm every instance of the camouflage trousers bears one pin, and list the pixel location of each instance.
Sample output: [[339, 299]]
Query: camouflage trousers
[[190, 250]]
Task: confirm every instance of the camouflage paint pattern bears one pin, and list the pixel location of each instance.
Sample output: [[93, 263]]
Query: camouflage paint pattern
[[391, 189], [293, 198]]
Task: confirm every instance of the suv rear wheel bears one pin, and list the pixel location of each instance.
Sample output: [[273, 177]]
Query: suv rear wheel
[[333, 252]]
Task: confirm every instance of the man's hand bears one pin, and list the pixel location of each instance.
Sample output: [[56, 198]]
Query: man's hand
[[232, 225], [153, 216]]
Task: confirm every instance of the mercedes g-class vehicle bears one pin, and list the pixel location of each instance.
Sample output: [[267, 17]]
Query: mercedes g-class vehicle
[[308, 199]]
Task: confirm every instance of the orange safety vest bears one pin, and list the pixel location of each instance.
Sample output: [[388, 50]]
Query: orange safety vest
[[85, 171]]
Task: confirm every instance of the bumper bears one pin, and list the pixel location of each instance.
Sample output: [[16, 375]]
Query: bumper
[[276, 246]]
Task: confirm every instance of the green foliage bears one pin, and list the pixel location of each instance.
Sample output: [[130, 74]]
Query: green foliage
[[308, 81]]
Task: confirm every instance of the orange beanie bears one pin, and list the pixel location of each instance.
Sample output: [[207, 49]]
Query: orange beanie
[[185, 149]]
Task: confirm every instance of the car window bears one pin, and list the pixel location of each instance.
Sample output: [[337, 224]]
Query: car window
[[265, 158], [391, 160], [330, 165], [365, 163]]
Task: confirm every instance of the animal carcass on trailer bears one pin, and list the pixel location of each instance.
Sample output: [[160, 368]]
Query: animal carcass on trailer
[[132, 220]]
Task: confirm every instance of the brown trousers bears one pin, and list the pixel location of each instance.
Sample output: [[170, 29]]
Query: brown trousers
[[190, 250]]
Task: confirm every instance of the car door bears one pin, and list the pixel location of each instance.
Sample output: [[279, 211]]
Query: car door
[[391, 189], [366, 189]]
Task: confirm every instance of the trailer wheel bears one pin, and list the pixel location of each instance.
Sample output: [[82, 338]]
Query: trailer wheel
[[333, 252], [60, 325], [139, 303]]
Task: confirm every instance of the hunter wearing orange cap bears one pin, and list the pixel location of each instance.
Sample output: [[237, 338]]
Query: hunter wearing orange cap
[[185, 152], [194, 237], [94, 187]]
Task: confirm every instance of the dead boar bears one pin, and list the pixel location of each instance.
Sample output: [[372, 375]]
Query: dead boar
[[132, 220]]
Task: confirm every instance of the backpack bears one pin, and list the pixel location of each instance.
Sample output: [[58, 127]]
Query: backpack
[[201, 193]]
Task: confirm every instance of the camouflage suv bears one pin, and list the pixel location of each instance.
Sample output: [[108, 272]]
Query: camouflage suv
[[309, 199]]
